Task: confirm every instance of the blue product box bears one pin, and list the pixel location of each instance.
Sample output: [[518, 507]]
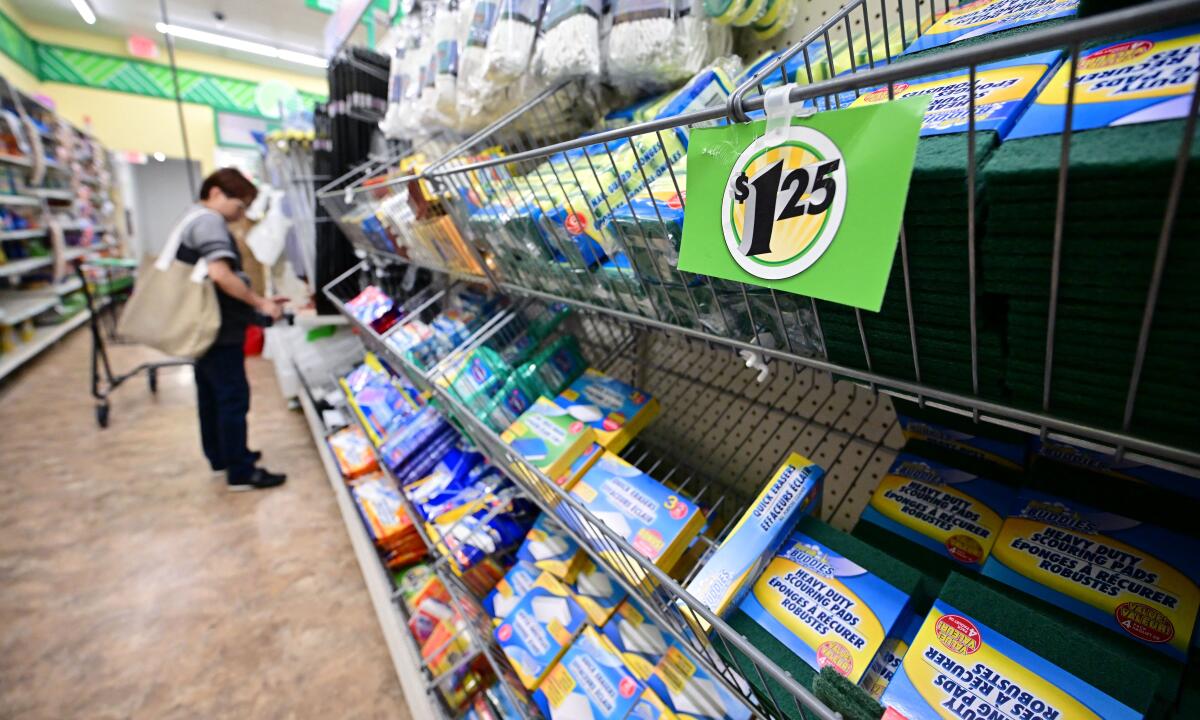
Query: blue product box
[[1135, 579], [509, 590], [727, 574], [590, 681], [984, 17], [640, 642], [958, 667], [1002, 92], [537, 631], [952, 512], [689, 690], [1142, 78], [656, 521], [548, 548], [826, 609]]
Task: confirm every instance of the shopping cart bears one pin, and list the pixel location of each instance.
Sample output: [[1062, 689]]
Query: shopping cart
[[104, 380]]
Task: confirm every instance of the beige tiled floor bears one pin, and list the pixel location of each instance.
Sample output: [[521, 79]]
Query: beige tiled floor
[[132, 585]]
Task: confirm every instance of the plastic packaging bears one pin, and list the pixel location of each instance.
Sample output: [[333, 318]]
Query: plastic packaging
[[659, 43], [473, 87], [569, 43], [445, 37], [511, 40]]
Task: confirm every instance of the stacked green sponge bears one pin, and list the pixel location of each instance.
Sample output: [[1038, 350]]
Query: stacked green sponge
[[1116, 198], [935, 227], [845, 697]]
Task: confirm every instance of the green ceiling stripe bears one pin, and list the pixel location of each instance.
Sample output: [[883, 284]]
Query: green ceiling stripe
[[75, 66]]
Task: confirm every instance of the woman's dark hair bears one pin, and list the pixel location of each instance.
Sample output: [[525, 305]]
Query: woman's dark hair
[[232, 182]]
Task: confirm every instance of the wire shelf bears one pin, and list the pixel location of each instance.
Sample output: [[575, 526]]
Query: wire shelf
[[471, 645], [721, 434], [683, 338], [492, 185]]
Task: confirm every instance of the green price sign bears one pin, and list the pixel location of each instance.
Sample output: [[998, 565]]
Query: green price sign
[[812, 208]]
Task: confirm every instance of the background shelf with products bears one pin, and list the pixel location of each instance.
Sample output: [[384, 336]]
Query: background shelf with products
[[55, 211], [961, 358]]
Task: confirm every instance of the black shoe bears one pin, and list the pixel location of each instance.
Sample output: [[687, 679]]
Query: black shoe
[[255, 456], [260, 479]]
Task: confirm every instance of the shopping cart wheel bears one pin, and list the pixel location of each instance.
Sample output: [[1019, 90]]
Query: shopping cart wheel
[[102, 415], [152, 378]]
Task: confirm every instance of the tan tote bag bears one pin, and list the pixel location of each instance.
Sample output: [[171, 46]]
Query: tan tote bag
[[173, 307]]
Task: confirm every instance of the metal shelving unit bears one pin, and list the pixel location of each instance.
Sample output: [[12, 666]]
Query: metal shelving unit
[[42, 339], [721, 431], [14, 268], [16, 307], [420, 682], [23, 234]]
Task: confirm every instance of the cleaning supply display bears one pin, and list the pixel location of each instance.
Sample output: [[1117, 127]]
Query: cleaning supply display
[[989, 17], [658, 523], [1131, 577], [590, 681], [727, 574], [547, 548], [615, 410], [958, 667], [548, 438], [952, 512], [824, 608], [1130, 94], [537, 631]]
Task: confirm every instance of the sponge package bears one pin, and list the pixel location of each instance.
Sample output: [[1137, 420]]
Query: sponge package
[[793, 491], [971, 20], [537, 631], [952, 512], [1131, 577], [590, 681], [824, 608], [958, 665]]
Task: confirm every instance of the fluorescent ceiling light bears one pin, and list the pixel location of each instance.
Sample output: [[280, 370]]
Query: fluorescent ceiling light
[[85, 11], [232, 43]]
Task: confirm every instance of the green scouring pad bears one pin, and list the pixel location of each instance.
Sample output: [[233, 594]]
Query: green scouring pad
[[851, 700], [1134, 675], [841, 695]]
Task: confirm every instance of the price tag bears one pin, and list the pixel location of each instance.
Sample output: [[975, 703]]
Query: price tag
[[813, 207]]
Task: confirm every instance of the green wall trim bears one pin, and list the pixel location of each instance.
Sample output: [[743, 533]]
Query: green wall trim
[[18, 45], [102, 71]]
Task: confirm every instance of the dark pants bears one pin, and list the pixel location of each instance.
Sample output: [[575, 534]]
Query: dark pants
[[223, 398]]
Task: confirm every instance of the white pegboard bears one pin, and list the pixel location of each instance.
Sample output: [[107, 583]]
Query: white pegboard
[[721, 434]]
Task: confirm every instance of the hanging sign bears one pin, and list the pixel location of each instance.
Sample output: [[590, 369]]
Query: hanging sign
[[812, 207]]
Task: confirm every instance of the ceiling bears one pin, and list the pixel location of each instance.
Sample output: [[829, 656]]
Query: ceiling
[[284, 23]]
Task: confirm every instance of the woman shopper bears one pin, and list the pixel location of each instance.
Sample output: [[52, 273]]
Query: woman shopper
[[222, 391]]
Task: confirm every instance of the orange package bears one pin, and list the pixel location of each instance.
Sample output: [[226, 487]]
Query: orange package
[[353, 451]]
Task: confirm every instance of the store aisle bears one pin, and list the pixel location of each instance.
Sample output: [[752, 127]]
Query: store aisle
[[132, 584]]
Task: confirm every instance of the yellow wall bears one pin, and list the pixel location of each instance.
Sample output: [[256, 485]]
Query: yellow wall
[[122, 121]]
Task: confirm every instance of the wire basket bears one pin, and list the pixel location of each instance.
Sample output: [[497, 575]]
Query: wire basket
[[607, 244], [597, 221]]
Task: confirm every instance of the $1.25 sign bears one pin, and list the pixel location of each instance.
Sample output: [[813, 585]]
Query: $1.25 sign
[[813, 208]]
